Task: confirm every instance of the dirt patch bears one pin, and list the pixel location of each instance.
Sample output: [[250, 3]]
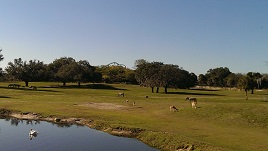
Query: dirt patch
[[109, 106]]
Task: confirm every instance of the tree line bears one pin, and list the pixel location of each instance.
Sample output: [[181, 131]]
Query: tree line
[[223, 77], [148, 74]]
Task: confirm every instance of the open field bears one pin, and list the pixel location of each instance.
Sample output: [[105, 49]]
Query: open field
[[223, 120]]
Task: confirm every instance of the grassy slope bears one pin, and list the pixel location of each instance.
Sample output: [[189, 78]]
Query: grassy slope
[[223, 118]]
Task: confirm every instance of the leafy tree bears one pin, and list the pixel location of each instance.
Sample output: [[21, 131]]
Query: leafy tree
[[130, 76], [253, 76], [202, 79], [264, 83], [215, 77], [153, 76], [169, 76], [148, 74], [61, 71], [84, 72], [139, 62], [157, 74], [140, 73], [66, 69], [31, 71], [97, 77], [232, 80]]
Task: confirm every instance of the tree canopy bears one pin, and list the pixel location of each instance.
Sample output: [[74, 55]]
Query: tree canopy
[[158, 74]]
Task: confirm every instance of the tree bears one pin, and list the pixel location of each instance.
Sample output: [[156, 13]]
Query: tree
[[158, 74], [153, 75], [140, 73], [97, 77], [84, 72], [31, 71], [253, 76], [232, 80], [215, 77], [139, 62], [202, 79], [169, 76], [130, 76], [148, 74], [61, 71]]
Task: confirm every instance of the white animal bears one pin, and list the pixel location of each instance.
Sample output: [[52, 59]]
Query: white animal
[[193, 101]]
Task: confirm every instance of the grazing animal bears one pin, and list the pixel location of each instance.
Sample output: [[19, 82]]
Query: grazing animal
[[126, 101], [193, 101], [134, 103], [173, 108], [121, 94]]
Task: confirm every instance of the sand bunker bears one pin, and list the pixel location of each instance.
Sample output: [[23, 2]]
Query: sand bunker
[[110, 106]]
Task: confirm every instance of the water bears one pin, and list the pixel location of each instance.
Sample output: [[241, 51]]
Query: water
[[14, 135]]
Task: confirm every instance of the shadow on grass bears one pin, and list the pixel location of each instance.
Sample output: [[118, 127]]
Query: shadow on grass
[[4, 97], [26, 89], [88, 86], [192, 93], [201, 89]]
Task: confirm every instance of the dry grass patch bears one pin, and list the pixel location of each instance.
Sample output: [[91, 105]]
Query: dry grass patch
[[109, 106]]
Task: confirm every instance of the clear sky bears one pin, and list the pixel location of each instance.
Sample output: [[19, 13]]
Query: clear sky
[[195, 34]]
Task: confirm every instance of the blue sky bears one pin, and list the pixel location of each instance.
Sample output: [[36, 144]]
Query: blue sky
[[196, 35]]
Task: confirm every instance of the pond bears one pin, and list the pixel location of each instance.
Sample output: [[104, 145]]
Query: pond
[[14, 135]]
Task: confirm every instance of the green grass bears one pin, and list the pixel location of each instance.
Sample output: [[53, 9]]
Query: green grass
[[224, 120]]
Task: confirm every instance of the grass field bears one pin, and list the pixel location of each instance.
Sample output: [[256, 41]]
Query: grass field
[[224, 120]]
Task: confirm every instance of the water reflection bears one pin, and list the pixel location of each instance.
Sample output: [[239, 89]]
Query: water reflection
[[67, 137], [15, 121]]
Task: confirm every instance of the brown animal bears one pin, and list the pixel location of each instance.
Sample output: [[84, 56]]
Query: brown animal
[[193, 101], [173, 108]]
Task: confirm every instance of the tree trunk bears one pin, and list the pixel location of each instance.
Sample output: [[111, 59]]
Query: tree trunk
[[157, 89], [79, 84], [252, 91], [152, 89], [26, 83], [64, 83], [166, 89]]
